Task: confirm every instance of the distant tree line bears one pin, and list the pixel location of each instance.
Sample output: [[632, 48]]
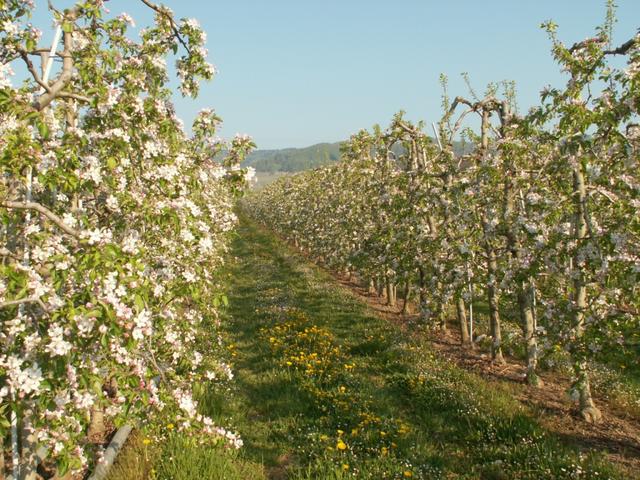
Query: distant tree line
[[292, 160]]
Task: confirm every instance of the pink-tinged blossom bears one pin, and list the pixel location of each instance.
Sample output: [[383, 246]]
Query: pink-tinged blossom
[[5, 73], [79, 40], [186, 402], [143, 325], [27, 380], [126, 18], [159, 62], [85, 324], [83, 401], [98, 236], [205, 245], [15, 327], [9, 28], [57, 345]]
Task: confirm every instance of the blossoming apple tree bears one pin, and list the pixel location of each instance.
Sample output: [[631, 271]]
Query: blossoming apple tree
[[114, 224]]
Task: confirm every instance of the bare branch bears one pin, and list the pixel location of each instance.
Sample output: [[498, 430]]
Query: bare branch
[[74, 96], [33, 71], [43, 211], [39, 51], [622, 49], [22, 301], [13, 303], [52, 8]]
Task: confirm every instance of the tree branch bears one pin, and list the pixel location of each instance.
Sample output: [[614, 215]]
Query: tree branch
[[33, 71], [63, 80], [622, 49], [172, 22], [584, 44], [43, 211], [74, 96], [22, 301]]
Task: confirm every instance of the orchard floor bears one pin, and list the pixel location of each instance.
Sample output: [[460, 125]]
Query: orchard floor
[[325, 389]]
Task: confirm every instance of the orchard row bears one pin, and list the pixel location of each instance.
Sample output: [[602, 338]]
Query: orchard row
[[114, 223], [537, 217]]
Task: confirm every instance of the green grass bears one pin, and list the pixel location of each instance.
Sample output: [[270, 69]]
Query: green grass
[[326, 390]]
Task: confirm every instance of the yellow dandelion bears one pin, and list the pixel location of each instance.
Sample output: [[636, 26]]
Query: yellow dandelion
[[341, 445], [146, 441], [407, 474]]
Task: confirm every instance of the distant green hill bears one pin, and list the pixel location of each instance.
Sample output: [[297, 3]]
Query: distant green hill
[[292, 160]]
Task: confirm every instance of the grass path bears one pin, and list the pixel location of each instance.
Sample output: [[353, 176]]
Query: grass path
[[326, 390]]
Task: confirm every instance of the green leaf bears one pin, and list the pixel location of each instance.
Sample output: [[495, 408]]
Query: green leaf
[[139, 303], [63, 466], [43, 128]]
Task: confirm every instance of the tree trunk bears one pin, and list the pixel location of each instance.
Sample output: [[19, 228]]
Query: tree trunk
[[423, 295], [380, 287], [494, 314], [527, 320], [29, 458], [588, 409], [462, 320], [442, 319], [96, 426], [391, 293], [372, 287], [405, 299], [492, 261], [524, 290]]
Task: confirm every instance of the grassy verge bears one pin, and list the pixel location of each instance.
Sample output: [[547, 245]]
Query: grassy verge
[[326, 390]]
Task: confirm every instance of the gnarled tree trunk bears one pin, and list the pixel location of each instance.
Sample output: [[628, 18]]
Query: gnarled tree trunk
[[494, 313], [588, 409], [461, 313]]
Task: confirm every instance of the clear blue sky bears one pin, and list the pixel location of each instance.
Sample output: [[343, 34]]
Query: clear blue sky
[[297, 72]]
